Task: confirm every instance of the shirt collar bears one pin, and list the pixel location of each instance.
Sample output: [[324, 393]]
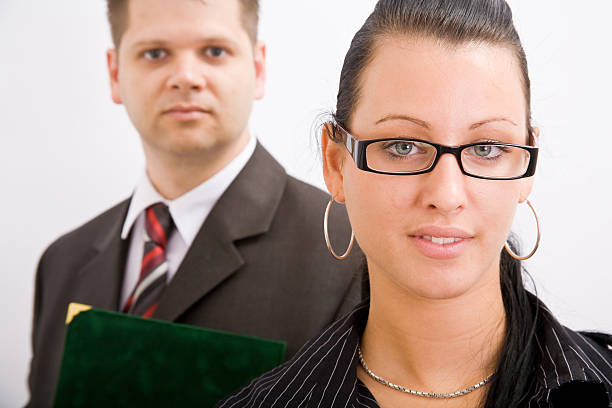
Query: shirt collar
[[191, 209]]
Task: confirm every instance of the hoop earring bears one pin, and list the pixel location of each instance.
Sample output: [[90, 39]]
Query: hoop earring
[[537, 244], [326, 233]]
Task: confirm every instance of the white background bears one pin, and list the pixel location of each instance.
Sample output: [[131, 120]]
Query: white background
[[67, 152]]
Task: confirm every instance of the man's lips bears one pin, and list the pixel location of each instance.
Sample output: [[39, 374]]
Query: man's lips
[[186, 112]]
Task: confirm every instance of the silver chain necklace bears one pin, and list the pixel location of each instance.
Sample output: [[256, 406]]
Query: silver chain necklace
[[421, 393]]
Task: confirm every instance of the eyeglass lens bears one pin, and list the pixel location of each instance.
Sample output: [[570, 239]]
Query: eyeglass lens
[[487, 160]]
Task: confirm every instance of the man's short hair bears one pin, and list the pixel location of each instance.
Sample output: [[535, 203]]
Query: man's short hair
[[117, 12]]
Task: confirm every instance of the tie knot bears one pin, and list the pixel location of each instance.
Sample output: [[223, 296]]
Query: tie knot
[[158, 223]]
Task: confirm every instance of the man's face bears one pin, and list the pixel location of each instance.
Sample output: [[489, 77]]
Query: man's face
[[187, 74]]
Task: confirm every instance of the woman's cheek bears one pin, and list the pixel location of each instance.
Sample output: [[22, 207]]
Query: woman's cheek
[[494, 210], [377, 210]]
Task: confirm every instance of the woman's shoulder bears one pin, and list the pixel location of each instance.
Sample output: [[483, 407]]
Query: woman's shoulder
[[324, 369], [591, 350], [259, 392], [597, 347], [575, 365], [601, 340]]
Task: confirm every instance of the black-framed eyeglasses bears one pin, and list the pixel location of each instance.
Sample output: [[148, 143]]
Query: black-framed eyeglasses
[[403, 156]]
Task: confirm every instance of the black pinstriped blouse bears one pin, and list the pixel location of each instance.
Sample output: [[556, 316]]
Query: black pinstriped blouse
[[575, 370]]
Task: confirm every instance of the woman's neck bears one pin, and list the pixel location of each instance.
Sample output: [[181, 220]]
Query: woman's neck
[[439, 345]]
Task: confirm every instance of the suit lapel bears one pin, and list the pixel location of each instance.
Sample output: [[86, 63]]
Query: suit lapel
[[100, 279], [246, 209]]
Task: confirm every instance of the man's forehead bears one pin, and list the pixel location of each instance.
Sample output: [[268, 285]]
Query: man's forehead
[[153, 20], [139, 9]]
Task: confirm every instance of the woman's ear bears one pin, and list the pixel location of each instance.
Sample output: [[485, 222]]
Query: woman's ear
[[333, 159], [528, 182], [535, 131]]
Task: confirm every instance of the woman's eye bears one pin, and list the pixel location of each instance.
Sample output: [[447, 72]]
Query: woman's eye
[[215, 52], [487, 151], [402, 148], [483, 150], [155, 54]]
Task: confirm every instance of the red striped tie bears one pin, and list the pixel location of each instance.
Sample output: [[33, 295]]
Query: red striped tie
[[154, 269]]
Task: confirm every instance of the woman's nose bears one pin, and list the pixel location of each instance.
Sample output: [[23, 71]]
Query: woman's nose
[[444, 186]]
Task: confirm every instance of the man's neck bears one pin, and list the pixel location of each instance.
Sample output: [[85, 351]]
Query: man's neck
[[434, 344], [173, 175]]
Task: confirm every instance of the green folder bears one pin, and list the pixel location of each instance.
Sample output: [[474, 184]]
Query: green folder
[[117, 360]]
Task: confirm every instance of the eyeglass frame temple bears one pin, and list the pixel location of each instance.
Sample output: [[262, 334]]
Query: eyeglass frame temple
[[352, 145]]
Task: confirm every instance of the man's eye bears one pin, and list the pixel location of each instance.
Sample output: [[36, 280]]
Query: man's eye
[[155, 54], [215, 52]]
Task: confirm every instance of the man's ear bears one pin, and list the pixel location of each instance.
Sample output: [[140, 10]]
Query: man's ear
[[334, 154], [528, 182], [259, 58], [112, 61]]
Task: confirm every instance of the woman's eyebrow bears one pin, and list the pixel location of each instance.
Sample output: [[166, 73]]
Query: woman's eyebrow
[[419, 122], [484, 122], [426, 125]]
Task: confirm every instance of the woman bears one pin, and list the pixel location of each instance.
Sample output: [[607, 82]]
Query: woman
[[432, 150]]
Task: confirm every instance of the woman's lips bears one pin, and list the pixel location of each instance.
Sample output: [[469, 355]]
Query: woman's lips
[[440, 247], [441, 243], [441, 240]]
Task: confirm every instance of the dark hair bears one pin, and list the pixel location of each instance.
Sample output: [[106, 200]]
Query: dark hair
[[458, 22], [117, 13]]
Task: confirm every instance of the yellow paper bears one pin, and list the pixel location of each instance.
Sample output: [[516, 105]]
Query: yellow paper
[[74, 309]]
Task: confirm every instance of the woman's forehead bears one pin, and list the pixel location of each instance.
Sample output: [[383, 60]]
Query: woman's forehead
[[439, 82]]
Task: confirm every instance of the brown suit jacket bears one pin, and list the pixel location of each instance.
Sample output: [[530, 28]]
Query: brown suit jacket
[[259, 266]]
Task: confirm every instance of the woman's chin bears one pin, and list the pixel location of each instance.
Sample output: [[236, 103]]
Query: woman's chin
[[440, 285], [441, 292]]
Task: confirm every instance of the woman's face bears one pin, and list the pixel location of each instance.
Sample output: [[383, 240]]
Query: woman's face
[[451, 95]]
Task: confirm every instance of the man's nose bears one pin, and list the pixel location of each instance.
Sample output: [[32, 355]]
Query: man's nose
[[445, 186], [187, 74]]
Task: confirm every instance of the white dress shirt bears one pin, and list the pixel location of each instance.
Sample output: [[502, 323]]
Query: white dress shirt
[[188, 212]]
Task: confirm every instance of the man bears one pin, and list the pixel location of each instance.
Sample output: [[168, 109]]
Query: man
[[236, 244]]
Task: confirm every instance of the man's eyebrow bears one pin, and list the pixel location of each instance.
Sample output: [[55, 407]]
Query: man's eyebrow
[[484, 122], [416, 121], [148, 42], [160, 42]]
